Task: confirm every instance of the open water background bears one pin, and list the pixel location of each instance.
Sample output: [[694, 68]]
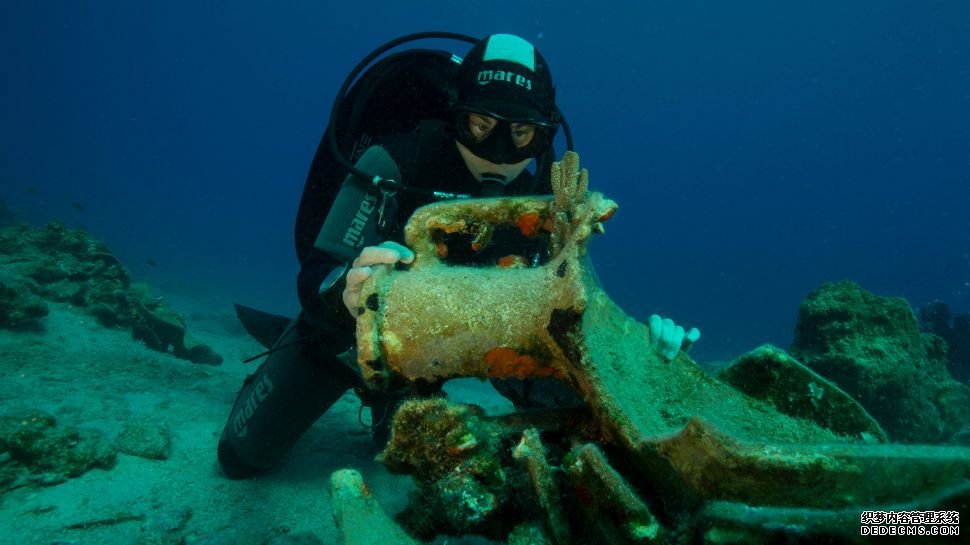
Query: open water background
[[757, 149]]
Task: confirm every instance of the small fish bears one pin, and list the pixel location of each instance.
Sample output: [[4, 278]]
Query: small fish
[[32, 190], [78, 206], [151, 263]]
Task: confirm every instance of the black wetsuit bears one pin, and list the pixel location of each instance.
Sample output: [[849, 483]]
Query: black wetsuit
[[303, 377], [428, 159]]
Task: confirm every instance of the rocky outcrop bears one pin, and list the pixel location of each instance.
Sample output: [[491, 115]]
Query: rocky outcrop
[[872, 348], [65, 265]]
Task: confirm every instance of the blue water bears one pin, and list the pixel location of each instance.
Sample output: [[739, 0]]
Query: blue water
[[757, 149]]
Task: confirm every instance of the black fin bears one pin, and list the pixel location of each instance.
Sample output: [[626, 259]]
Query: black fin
[[266, 328]]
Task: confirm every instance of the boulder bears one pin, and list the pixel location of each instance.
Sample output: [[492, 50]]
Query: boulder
[[871, 347], [49, 452], [145, 439]]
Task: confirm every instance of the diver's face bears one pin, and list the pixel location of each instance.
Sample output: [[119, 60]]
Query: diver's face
[[483, 169], [520, 135], [495, 149]]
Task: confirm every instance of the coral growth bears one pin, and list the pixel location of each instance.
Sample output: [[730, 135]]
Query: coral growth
[[456, 456]]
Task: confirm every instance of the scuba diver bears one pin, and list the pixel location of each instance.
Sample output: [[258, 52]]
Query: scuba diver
[[416, 127]]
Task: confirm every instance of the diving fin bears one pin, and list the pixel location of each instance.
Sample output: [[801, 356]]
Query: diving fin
[[266, 328]]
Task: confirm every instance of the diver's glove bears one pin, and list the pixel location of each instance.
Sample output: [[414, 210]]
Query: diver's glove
[[385, 254], [670, 338]]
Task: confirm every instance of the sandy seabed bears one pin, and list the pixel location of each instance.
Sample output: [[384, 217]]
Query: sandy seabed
[[89, 376]]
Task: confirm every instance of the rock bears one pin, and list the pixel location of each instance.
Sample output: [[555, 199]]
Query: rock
[[145, 439], [768, 373], [19, 307], [871, 348], [197, 352], [52, 452], [159, 328], [59, 264]]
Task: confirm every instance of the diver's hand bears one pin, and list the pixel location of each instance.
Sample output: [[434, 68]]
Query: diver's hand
[[670, 338], [384, 254]]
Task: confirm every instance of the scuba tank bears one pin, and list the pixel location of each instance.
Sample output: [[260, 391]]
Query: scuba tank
[[361, 212], [392, 96]]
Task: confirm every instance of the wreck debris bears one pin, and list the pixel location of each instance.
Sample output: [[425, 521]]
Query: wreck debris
[[612, 507], [730, 522], [769, 374], [713, 465], [395, 334], [684, 447], [358, 515], [532, 454]]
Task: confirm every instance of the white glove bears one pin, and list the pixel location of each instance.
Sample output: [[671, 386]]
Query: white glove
[[670, 338]]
